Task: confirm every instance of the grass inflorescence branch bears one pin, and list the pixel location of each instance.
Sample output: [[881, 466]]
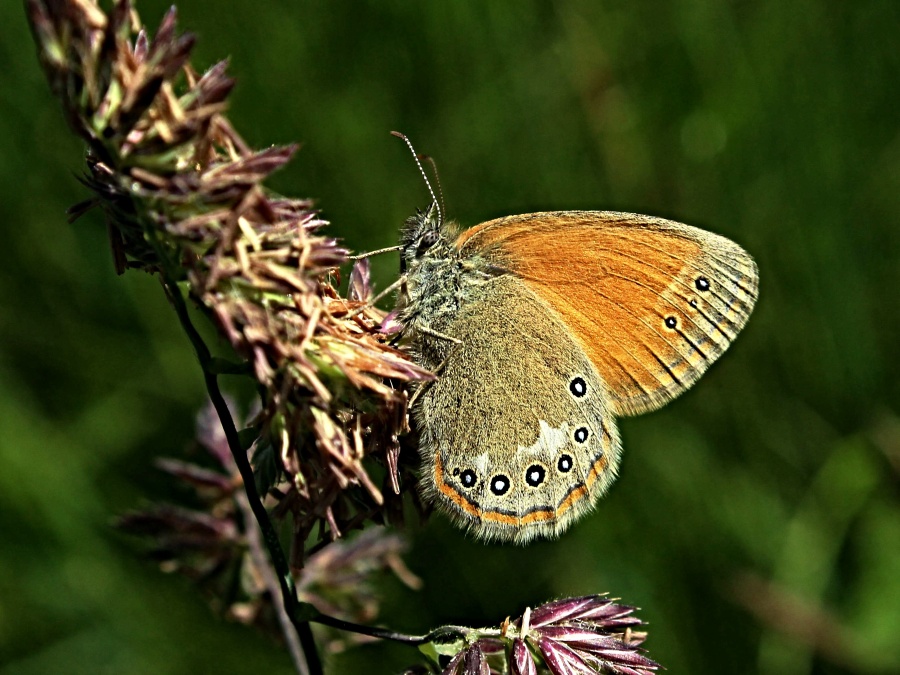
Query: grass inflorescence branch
[[183, 198]]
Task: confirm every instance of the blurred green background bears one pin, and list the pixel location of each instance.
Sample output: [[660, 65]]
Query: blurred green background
[[756, 520]]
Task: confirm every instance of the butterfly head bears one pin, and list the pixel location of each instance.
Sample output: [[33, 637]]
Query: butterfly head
[[424, 236]]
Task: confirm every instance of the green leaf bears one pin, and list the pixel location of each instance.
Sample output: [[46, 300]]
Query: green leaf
[[248, 437], [434, 650], [449, 648], [266, 467]]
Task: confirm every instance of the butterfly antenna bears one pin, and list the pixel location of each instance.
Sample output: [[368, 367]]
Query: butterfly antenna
[[437, 180], [434, 199], [369, 254]]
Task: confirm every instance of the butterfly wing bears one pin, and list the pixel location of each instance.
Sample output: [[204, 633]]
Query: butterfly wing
[[516, 436], [650, 301]]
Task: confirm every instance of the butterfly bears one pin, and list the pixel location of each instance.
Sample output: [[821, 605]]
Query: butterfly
[[544, 328]]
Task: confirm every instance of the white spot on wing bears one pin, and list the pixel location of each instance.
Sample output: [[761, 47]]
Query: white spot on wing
[[481, 464], [549, 440]]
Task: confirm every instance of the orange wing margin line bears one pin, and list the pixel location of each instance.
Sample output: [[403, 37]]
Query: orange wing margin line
[[507, 519]]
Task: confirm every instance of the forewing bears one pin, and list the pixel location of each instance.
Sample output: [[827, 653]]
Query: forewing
[[651, 302]]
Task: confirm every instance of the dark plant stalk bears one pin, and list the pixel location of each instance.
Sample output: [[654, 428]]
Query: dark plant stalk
[[258, 552], [441, 634], [270, 535]]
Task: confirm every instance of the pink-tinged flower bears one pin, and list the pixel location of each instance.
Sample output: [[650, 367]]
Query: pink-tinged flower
[[520, 660], [484, 657], [576, 636], [360, 287], [391, 325], [217, 543], [589, 634]]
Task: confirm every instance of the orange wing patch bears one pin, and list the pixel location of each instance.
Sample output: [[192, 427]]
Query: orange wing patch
[[652, 302]]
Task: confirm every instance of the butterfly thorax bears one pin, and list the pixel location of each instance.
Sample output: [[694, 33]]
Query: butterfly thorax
[[438, 282]]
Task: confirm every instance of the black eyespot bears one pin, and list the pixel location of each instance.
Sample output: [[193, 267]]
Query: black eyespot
[[499, 485], [581, 434], [578, 387], [535, 474], [468, 478], [694, 303], [671, 322], [565, 463], [702, 284]]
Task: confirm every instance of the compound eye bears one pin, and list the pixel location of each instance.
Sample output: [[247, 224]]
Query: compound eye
[[428, 240]]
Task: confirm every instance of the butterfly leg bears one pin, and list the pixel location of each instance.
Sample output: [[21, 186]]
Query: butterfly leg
[[371, 303], [440, 336]]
